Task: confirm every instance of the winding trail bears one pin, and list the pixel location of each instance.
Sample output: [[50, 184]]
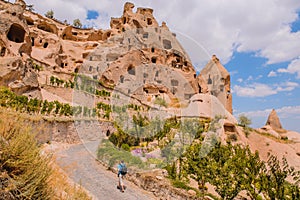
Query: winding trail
[[79, 163]]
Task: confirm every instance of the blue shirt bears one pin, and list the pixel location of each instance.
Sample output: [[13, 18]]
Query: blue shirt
[[120, 167]]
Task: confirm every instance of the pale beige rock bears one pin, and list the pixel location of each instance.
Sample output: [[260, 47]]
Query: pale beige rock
[[274, 121], [192, 192], [217, 80], [136, 56]]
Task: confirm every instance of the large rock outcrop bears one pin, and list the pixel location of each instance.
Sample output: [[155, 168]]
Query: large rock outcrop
[[136, 57], [274, 121], [216, 82]]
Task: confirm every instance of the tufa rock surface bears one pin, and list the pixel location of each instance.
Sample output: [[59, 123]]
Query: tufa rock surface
[[136, 57], [274, 122]]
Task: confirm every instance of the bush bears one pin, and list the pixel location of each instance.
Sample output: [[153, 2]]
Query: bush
[[111, 155], [24, 173], [182, 185], [49, 14], [160, 101], [233, 137], [126, 147], [244, 121]]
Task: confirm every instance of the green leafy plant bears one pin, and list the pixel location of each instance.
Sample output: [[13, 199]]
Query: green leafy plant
[[49, 14], [244, 121], [77, 23], [160, 101]]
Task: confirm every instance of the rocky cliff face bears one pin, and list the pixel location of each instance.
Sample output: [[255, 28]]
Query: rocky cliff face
[[136, 57]]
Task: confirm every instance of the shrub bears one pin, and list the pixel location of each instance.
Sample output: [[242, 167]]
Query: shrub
[[77, 23], [49, 14], [126, 147], [182, 185], [111, 155], [233, 137], [24, 173], [160, 101], [244, 121]]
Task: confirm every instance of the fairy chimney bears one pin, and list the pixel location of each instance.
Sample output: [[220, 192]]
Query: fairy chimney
[[273, 121], [217, 81]]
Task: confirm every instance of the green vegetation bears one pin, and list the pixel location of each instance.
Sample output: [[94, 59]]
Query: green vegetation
[[58, 82], [10, 100], [245, 122], [109, 153], [35, 66], [160, 101], [49, 14], [232, 169], [84, 83], [77, 23]]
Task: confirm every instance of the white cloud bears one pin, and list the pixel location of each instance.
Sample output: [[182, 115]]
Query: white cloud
[[272, 74], [259, 77], [263, 90], [250, 78], [240, 80], [287, 86], [259, 26], [288, 115], [254, 90], [293, 67]]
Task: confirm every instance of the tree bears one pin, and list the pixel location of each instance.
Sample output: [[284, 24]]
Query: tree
[[50, 14], [274, 179], [77, 23], [30, 7], [244, 121]]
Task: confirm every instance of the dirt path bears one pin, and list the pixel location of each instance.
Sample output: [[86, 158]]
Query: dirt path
[[79, 162]]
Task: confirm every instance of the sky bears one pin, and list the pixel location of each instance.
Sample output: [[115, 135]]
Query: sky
[[257, 41]]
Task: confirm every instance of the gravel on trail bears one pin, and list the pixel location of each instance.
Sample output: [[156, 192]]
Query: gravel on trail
[[80, 164]]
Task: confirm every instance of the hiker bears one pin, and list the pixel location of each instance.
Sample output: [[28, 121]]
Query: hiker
[[122, 171]]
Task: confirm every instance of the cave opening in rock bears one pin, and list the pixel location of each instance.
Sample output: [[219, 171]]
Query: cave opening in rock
[[29, 21], [131, 70], [16, 33], [32, 41], [167, 44], [46, 28], [45, 45], [149, 21], [153, 59], [3, 50], [121, 79]]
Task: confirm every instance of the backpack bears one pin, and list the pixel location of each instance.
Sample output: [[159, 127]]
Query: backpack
[[123, 169]]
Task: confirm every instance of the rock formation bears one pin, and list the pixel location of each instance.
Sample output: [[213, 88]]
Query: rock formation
[[217, 82], [136, 57], [273, 121]]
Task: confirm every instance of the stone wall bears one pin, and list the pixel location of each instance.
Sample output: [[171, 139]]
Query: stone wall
[[71, 131]]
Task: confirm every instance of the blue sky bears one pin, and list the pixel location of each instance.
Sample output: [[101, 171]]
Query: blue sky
[[92, 14], [257, 41]]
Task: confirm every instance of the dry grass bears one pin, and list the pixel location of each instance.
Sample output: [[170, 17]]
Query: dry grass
[[25, 173], [64, 188], [279, 140]]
